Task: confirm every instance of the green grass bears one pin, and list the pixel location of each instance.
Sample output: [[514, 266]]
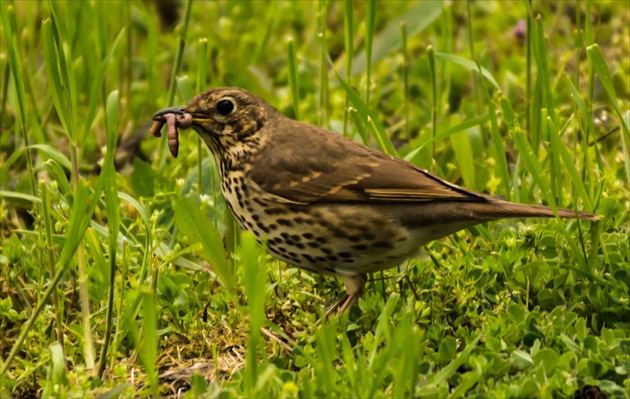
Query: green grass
[[125, 276]]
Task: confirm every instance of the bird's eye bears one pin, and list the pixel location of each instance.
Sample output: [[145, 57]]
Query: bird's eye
[[225, 107]]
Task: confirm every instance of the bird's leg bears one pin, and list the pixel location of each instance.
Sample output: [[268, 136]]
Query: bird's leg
[[354, 288], [337, 305]]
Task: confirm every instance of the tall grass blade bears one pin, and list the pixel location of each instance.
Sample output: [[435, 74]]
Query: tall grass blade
[[586, 122], [79, 219], [54, 77], [598, 63], [193, 223], [431, 57], [325, 344], [539, 43], [324, 99], [113, 215], [147, 236], [533, 166], [418, 18], [179, 55], [56, 377], [472, 65], [471, 49], [370, 21], [148, 342], [294, 82], [415, 155], [501, 168], [96, 91], [465, 159], [445, 373], [185, 88], [348, 25], [200, 86], [7, 16], [50, 251], [405, 68], [45, 149], [254, 278], [364, 112], [568, 163]]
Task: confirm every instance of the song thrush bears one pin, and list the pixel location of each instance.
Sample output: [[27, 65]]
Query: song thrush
[[324, 202]]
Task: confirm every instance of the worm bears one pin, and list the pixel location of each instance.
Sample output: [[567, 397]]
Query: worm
[[173, 121]]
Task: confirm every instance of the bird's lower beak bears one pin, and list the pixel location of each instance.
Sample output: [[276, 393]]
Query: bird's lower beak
[[179, 110]]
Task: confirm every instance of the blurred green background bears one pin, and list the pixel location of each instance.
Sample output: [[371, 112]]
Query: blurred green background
[[106, 290]]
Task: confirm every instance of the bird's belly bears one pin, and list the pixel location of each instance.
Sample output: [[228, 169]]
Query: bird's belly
[[325, 238]]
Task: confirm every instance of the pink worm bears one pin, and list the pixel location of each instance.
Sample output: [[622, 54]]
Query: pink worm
[[173, 121]]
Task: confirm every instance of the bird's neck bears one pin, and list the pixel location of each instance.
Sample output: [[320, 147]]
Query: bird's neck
[[231, 154]]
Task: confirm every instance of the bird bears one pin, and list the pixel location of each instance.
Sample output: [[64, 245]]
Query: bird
[[321, 201]]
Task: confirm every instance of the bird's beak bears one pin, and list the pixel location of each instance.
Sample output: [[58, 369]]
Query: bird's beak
[[179, 110]]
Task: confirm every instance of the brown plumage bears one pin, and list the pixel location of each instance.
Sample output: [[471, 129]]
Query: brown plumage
[[324, 202]]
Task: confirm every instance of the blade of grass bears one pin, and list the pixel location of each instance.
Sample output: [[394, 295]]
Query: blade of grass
[[464, 157], [414, 156], [325, 344], [433, 78], [471, 49], [364, 112], [113, 216], [533, 166], [418, 17], [179, 55], [472, 65], [452, 367], [501, 168], [46, 149], [293, 76], [348, 25], [358, 123], [383, 330], [568, 163], [58, 175], [56, 377], [20, 196], [598, 63], [383, 347], [528, 79], [254, 278], [324, 103], [405, 69], [50, 250], [63, 73], [185, 88], [148, 233], [555, 173], [147, 340], [7, 15], [270, 28], [193, 223], [537, 126], [542, 65], [370, 21], [80, 217], [95, 93], [587, 125], [200, 85]]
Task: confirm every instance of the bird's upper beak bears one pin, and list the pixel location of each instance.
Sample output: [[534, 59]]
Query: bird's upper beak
[[178, 110]]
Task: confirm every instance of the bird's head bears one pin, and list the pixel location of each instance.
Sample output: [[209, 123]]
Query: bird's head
[[223, 116]]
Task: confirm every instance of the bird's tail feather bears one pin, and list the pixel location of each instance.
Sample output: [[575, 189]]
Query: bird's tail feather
[[505, 209]]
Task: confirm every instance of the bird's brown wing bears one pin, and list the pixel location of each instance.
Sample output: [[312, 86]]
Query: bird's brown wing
[[334, 168]]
